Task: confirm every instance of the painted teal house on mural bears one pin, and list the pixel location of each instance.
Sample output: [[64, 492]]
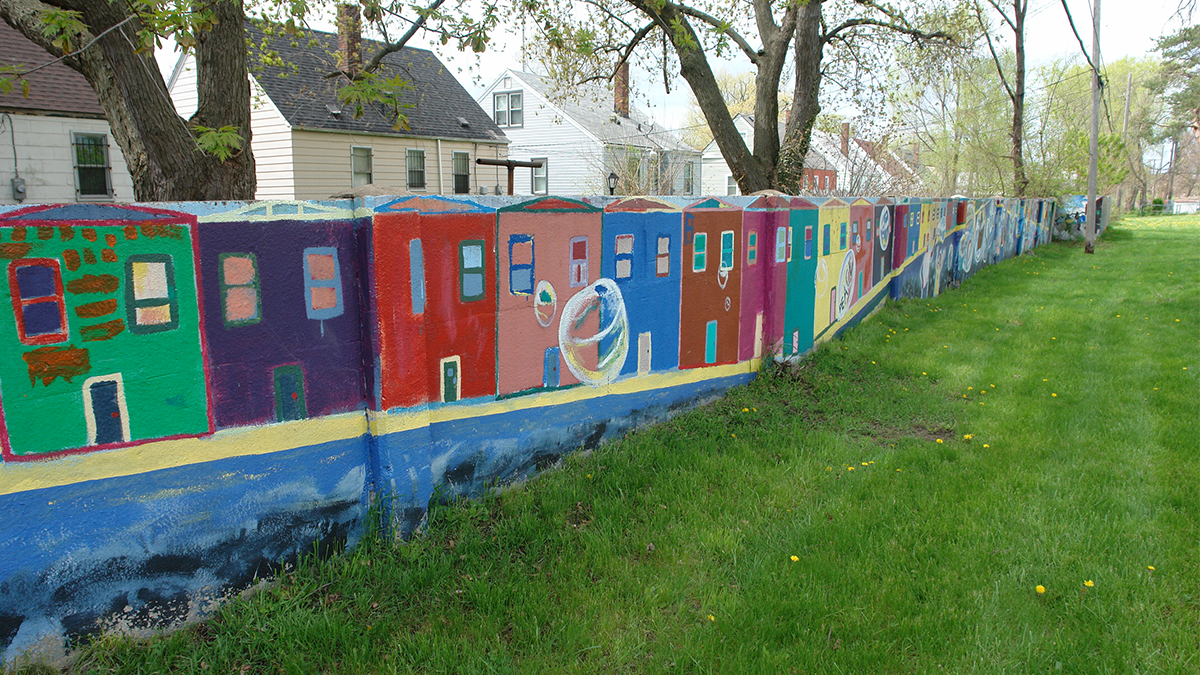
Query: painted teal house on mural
[[801, 276], [101, 332]]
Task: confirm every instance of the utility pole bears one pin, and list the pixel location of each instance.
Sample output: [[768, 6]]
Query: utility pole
[[1124, 129], [1092, 211]]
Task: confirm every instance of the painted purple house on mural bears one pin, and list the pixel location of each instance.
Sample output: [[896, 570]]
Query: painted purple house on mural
[[283, 318]]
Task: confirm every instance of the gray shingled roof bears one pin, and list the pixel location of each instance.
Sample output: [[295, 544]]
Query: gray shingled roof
[[53, 89], [592, 109], [304, 95]]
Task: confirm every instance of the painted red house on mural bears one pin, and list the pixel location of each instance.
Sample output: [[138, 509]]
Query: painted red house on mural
[[862, 237], [710, 297], [435, 283]]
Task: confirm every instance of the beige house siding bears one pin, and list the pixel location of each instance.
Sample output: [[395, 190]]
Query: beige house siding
[[322, 163], [46, 159]]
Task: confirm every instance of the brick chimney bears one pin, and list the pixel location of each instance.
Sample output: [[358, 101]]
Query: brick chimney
[[846, 138], [621, 90], [349, 31]]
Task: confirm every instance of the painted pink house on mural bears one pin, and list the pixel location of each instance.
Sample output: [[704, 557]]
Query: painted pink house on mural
[[548, 250], [767, 241]]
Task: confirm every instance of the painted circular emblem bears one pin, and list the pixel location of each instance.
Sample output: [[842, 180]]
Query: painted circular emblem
[[728, 303], [845, 288], [545, 303], [608, 347], [885, 227], [822, 273]]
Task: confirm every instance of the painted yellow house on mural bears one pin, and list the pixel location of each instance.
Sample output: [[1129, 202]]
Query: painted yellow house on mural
[[834, 283]]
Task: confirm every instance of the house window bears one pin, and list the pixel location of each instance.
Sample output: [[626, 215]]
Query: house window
[[520, 264], [662, 262], [780, 244], [37, 297], [416, 169], [360, 167], [730, 186], [699, 252], [842, 241], [93, 178], [624, 256], [322, 283], [241, 301], [825, 241], [752, 249], [470, 270], [507, 109], [579, 261], [868, 230], [539, 182], [808, 243], [789, 244], [727, 250], [689, 178], [461, 164], [150, 302]]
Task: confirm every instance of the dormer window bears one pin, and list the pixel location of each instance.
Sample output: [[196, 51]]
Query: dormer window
[[507, 109]]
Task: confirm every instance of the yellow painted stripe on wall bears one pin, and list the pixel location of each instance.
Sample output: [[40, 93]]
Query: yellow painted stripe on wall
[[247, 441]]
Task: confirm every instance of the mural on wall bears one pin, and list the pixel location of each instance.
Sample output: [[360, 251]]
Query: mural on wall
[[237, 380]]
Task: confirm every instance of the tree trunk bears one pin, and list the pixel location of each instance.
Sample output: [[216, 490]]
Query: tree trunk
[[751, 175], [159, 149], [1018, 126], [805, 99], [771, 58]]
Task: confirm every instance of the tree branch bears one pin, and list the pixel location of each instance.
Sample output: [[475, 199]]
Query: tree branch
[[393, 47], [996, 59], [723, 27], [1003, 15], [627, 50], [904, 29]]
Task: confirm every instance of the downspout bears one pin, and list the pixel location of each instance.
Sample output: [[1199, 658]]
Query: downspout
[[18, 184], [441, 188]]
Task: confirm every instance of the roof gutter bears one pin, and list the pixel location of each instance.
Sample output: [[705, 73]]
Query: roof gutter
[[301, 127]]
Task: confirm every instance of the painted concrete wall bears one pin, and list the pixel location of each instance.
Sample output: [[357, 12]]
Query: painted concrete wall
[[193, 394]]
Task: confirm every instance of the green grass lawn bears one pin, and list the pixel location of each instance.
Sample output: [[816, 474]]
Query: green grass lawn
[[890, 506]]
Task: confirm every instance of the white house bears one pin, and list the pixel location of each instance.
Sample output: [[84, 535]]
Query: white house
[[819, 176], [308, 146], [63, 145], [584, 138]]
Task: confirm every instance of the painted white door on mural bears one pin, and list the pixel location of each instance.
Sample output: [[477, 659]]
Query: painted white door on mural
[[644, 353]]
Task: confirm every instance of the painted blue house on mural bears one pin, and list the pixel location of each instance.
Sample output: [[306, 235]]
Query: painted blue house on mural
[[283, 319], [642, 242]]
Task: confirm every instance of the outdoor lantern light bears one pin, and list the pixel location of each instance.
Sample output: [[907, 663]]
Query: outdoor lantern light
[[612, 183]]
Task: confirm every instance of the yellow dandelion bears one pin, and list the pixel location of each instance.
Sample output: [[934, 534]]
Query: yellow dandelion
[[1150, 567], [871, 462], [872, 363], [970, 388], [1045, 380], [864, 463], [899, 471], [1040, 589], [589, 475], [968, 436], [1054, 395], [745, 410], [711, 617], [829, 468], [1053, 338], [849, 468], [939, 440], [992, 386], [986, 445], [795, 558], [1089, 583], [922, 372], [964, 395], [754, 409], [733, 435]]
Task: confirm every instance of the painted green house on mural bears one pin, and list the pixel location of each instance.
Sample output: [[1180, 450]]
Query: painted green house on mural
[[100, 333]]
